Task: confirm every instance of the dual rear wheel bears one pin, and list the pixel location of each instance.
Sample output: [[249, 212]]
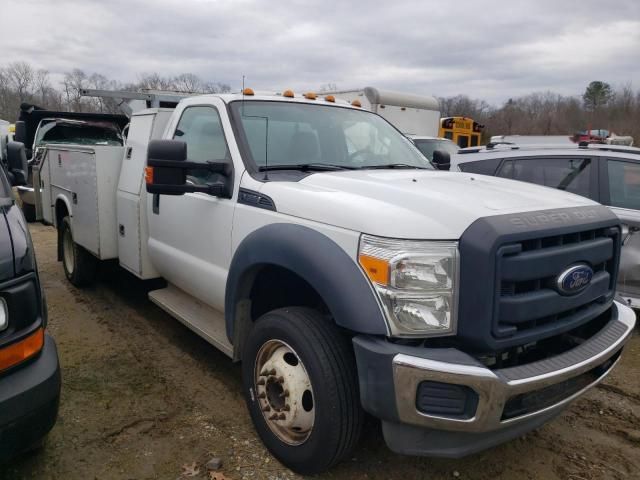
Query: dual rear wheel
[[301, 388], [80, 266]]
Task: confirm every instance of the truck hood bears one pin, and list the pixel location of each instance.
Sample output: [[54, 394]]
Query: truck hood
[[413, 204]]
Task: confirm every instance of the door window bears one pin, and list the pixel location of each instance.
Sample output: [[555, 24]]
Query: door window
[[201, 129], [483, 167], [624, 184], [569, 174], [463, 141]]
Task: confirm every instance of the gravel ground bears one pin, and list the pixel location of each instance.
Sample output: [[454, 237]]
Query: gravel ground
[[144, 398]]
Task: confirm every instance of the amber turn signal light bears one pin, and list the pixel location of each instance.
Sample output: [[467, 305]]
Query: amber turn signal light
[[377, 270], [148, 175], [22, 350]]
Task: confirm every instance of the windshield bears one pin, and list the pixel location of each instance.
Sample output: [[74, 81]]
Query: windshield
[[429, 145], [317, 135], [79, 133]]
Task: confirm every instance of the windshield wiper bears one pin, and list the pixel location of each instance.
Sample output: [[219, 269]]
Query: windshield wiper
[[305, 167], [392, 165]]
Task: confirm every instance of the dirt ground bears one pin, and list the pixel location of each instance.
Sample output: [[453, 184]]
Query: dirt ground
[[143, 396]]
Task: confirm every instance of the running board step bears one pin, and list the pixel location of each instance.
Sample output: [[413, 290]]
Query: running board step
[[201, 318]]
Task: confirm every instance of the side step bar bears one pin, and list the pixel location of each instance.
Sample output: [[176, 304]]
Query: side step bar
[[201, 318]]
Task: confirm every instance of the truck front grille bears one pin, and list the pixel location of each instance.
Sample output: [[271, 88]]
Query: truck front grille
[[509, 269], [527, 299]]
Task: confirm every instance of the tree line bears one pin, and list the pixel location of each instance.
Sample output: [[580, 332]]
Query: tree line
[[21, 83], [600, 106]]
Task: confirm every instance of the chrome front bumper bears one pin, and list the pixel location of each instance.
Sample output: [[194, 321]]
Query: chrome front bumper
[[496, 387]]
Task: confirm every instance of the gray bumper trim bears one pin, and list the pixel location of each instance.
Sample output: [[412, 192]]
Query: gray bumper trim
[[496, 387]]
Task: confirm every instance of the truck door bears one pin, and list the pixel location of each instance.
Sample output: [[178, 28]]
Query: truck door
[[190, 234]]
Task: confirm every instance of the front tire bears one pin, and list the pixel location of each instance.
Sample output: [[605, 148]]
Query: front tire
[[301, 387], [79, 265]]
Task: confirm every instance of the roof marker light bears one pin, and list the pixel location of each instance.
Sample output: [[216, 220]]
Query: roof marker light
[[288, 94], [356, 103], [310, 96], [330, 98], [248, 91]]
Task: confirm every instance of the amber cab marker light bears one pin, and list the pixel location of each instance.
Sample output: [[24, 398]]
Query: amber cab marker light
[[288, 94], [247, 91], [330, 98], [377, 270], [20, 351], [310, 96], [356, 103], [148, 175]]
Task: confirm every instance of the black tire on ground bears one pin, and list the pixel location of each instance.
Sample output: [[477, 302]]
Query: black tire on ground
[[327, 356], [79, 265], [29, 212]]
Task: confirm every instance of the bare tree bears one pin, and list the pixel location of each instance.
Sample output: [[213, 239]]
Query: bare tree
[[215, 87], [74, 82], [42, 85], [20, 75], [188, 83], [154, 81]]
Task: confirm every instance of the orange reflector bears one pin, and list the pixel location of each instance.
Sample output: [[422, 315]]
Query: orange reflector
[[247, 91], [288, 94], [20, 351], [356, 103], [310, 96], [148, 175], [377, 270], [330, 98]]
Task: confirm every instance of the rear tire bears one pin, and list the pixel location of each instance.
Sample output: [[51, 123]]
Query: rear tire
[[299, 366], [29, 212], [79, 265]]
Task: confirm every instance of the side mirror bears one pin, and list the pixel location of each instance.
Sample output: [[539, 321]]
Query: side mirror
[[20, 134], [167, 167], [17, 163], [441, 160]]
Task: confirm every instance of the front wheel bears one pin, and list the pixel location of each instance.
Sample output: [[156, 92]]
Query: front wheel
[[301, 387], [79, 265]]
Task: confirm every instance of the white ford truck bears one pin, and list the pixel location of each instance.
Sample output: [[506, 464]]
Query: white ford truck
[[310, 240]]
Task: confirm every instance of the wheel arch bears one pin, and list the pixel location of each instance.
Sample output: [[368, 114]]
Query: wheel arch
[[311, 256], [62, 208]]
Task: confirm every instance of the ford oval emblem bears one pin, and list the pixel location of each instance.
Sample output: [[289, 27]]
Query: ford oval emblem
[[574, 279]]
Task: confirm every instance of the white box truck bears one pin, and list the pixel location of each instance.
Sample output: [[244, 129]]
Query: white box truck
[[409, 113], [346, 274]]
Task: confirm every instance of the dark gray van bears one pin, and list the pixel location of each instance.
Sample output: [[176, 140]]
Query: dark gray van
[[29, 368]]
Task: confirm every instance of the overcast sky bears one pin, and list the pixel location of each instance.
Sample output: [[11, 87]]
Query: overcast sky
[[485, 49]]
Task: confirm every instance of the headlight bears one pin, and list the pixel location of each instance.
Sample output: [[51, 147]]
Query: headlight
[[4, 315], [416, 282]]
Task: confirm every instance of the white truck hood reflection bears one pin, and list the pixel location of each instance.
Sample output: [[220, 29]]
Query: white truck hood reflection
[[419, 204]]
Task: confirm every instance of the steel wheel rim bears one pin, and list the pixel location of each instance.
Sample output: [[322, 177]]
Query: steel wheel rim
[[67, 251], [284, 392]]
